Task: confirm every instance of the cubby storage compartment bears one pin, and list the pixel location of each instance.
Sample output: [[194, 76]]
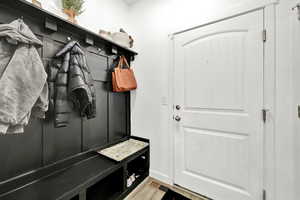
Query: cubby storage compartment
[[139, 168], [108, 188]]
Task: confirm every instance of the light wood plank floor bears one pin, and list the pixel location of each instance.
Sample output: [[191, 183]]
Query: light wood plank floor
[[149, 190]]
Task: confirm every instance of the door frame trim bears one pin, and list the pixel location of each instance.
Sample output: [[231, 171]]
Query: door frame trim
[[269, 100], [233, 12], [269, 97]]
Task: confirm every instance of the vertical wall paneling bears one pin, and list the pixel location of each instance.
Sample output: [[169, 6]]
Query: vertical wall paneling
[[21, 152], [117, 111], [42, 144]]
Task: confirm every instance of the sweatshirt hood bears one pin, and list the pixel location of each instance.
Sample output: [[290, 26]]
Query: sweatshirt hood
[[18, 31]]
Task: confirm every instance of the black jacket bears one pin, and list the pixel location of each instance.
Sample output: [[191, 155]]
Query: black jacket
[[70, 79]]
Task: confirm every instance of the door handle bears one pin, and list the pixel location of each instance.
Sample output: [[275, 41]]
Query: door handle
[[177, 118]]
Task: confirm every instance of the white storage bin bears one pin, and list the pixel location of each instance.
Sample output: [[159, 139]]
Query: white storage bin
[[122, 39]]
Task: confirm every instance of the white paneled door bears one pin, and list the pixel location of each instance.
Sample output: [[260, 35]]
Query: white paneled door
[[218, 101]]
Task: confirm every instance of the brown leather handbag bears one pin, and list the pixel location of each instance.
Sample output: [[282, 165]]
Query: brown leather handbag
[[123, 79]]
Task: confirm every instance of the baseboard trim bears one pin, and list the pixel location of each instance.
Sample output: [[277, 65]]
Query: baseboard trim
[[161, 177]]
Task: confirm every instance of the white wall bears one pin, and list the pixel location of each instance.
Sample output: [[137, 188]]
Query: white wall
[[150, 22], [285, 110], [295, 23], [110, 15], [153, 20]]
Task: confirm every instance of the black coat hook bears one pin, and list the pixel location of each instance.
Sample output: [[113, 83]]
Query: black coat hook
[[99, 50], [298, 10], [21, 18], [297, 6]]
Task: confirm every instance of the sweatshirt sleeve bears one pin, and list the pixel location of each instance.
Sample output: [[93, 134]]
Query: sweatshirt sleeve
[[41, 105], [22, 86]]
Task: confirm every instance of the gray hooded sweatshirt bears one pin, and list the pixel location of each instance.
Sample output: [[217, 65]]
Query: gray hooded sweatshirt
[[23, 85]]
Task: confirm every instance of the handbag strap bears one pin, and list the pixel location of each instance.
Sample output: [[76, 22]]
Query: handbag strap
[[124, 60], [120, 62]]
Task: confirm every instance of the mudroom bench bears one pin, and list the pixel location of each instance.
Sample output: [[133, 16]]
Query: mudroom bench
[[88, 176], [48, 163]]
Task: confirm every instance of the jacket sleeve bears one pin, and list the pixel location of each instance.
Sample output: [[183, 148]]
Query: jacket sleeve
[[62, 106], [41, 105], [52, 70]]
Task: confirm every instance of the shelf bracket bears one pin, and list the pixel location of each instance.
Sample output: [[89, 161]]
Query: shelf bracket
[[50, 25], [89, 40]]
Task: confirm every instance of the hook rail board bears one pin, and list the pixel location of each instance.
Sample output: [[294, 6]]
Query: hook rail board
[[53, 23]]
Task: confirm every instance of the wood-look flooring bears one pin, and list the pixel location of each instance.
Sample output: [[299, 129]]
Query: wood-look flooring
[[149, 190]]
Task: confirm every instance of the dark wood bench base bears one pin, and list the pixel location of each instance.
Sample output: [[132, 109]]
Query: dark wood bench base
[[89, 176]]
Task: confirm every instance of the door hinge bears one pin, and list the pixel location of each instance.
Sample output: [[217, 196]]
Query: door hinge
[[264, 115], [264, 35], [264, 195]]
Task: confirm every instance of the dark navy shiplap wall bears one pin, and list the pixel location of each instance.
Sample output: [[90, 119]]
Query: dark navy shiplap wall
[[42, 144]]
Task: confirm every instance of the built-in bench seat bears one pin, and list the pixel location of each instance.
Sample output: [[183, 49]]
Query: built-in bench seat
[[79, 178]]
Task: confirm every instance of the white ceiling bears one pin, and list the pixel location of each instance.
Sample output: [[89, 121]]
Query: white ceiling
[[130, 2]]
